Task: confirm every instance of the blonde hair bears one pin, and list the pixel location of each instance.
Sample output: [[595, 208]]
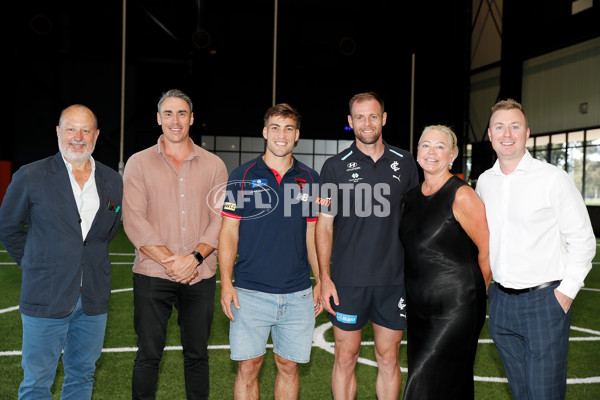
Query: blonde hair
[[451, 136]]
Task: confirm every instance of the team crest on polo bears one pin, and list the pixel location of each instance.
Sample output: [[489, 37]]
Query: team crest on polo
[[395, 166], [301, 182]]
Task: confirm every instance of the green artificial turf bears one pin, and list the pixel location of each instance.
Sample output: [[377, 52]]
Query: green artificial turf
[[113, 373]]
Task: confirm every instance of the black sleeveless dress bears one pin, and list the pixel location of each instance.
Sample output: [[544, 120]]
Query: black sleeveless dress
[[445, 296]]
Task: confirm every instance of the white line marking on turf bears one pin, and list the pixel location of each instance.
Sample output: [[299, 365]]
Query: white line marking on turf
[[320, 342]]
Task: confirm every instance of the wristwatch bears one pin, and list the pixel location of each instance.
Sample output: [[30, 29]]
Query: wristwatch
[[198, 257]]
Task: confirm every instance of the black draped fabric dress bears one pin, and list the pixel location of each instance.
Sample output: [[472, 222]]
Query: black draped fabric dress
[[445, 296]]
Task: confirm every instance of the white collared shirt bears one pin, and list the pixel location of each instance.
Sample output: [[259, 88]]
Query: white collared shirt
[[87, 199], [540, 230]]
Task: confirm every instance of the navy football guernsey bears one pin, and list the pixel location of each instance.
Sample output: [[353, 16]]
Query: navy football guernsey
[[273, 213], [365, 197]]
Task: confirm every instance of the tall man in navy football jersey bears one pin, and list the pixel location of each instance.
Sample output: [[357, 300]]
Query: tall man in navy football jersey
[[362, 262], [269, 220]]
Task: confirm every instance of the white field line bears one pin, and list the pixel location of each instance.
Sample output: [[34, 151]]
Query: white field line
[[320, 342]]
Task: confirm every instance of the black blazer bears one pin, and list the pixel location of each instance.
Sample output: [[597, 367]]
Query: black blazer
[[40, 229]]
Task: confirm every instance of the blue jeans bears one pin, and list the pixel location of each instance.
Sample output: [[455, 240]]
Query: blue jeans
[[80, 336]]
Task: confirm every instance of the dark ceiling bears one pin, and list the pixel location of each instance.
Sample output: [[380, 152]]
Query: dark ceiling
[[221, 54]]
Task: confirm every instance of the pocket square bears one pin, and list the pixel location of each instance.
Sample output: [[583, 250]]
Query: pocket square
[[112, 206]]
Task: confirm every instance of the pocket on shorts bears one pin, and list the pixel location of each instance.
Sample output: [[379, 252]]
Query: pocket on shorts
[[304, 293]]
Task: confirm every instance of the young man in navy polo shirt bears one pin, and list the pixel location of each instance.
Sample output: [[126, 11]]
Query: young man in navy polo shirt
[[269, 219], [361, 192]]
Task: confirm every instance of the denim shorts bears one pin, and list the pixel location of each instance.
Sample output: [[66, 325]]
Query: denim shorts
[[290, 318]]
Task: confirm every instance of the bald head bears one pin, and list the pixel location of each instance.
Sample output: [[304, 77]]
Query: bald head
[[78, 108], [77, 132]]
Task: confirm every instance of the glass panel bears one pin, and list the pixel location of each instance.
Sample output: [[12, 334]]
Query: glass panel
[[305, 158], [253, 144], [304, 146], [319, 161], [592, 175], [325, 146], [207, 142], [593, 136], [558, 140], [575, 138], [331, 147], [245, 157], [343, 145], [575, 165], [541, 147], [320, 146], [529, 145], [231, 160], [227, 143], [558, 155]]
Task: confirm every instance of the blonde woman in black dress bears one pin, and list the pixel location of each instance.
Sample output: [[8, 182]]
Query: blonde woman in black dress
[[445, 237]]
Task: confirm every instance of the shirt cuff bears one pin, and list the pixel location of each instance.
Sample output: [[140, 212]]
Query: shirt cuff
[[569, 288]]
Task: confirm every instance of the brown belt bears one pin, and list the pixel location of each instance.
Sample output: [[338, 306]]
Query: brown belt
[[526, 290]]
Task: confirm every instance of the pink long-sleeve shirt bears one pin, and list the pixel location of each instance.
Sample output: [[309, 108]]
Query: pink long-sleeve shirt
[[177, 209]]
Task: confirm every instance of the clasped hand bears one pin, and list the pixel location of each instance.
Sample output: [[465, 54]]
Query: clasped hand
[[181, 269]]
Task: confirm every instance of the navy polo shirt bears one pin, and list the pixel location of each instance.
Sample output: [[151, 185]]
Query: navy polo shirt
[[273, 213], [365, 198]]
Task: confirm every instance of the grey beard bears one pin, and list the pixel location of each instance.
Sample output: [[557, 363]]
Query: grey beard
[[77, 157]]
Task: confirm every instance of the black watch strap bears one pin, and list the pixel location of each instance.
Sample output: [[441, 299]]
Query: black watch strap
[[198, 257]]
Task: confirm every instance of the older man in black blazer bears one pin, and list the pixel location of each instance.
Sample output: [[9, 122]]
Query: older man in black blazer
[[56, 221]]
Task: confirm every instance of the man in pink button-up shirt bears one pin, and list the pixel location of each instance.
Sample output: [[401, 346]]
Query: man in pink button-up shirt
[[171, 213]]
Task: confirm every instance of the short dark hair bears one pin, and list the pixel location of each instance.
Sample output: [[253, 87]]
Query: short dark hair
[[175, 93], [283, 110]]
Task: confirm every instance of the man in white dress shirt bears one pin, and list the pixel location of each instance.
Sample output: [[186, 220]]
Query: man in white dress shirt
[[541, 248]]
